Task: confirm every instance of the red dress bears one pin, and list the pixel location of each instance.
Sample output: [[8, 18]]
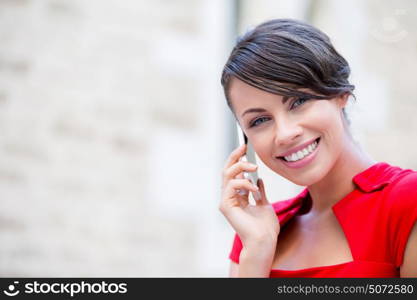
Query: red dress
[[377, 218]]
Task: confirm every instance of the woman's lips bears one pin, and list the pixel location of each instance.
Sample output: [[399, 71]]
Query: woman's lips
[[298, 148], [304, 161]]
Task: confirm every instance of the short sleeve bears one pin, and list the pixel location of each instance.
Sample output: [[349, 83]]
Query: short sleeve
[[236, 249], [403, 215]]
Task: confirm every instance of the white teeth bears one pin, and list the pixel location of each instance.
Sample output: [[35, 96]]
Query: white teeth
[[301, 153]]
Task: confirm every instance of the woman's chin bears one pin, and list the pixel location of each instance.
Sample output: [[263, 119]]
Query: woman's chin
[[304, 182], [305, 179]]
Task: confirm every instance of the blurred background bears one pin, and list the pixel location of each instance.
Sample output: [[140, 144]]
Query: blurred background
[[114, 128]]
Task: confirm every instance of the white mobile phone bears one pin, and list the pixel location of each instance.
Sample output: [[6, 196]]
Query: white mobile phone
[[249, 157]]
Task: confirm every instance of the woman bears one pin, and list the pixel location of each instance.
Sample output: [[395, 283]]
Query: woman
[[288, 87]]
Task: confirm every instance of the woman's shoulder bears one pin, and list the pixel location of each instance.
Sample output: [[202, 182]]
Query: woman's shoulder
[[391, 189], [379, 176], [406, 180], [403, 184], [399, 210]]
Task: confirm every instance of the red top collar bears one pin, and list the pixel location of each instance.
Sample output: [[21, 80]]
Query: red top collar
[[376, 177]]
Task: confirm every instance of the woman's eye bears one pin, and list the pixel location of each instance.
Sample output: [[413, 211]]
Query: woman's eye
[[299, 101], [258, 121]]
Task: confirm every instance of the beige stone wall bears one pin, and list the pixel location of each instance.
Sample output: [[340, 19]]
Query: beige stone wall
[[113, 126], [110, 117]]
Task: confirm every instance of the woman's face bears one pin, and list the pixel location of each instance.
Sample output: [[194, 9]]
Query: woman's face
[[276, 130]]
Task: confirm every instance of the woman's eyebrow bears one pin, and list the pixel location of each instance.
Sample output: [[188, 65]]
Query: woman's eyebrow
[[252, 110], [258, 109]]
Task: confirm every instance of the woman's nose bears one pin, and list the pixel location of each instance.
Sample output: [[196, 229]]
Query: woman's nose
[[286, 132]]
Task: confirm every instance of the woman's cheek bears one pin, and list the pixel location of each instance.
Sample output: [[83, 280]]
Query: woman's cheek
[[264, 155], [321, 116]]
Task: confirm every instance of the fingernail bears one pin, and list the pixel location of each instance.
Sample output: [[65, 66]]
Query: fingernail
[[242, 192]]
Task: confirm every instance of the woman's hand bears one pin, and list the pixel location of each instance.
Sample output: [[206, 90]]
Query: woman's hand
[[257, 225]]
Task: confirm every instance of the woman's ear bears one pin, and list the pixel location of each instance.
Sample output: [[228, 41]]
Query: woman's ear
[[342, 100]]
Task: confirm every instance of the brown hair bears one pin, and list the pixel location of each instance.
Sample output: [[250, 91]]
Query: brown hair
[[281, 56]]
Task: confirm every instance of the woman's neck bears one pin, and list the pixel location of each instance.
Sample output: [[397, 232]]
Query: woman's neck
[[338, 182]]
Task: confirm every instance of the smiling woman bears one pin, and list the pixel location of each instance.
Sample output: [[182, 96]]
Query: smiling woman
[[288, 87]]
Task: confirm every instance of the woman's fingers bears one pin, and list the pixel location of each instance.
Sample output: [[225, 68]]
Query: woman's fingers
[[241, 192], [243, 199], [235, 186], [235, 155], [231, 197], [237, 168], [240, 176], [238, 184], [263, 200]]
